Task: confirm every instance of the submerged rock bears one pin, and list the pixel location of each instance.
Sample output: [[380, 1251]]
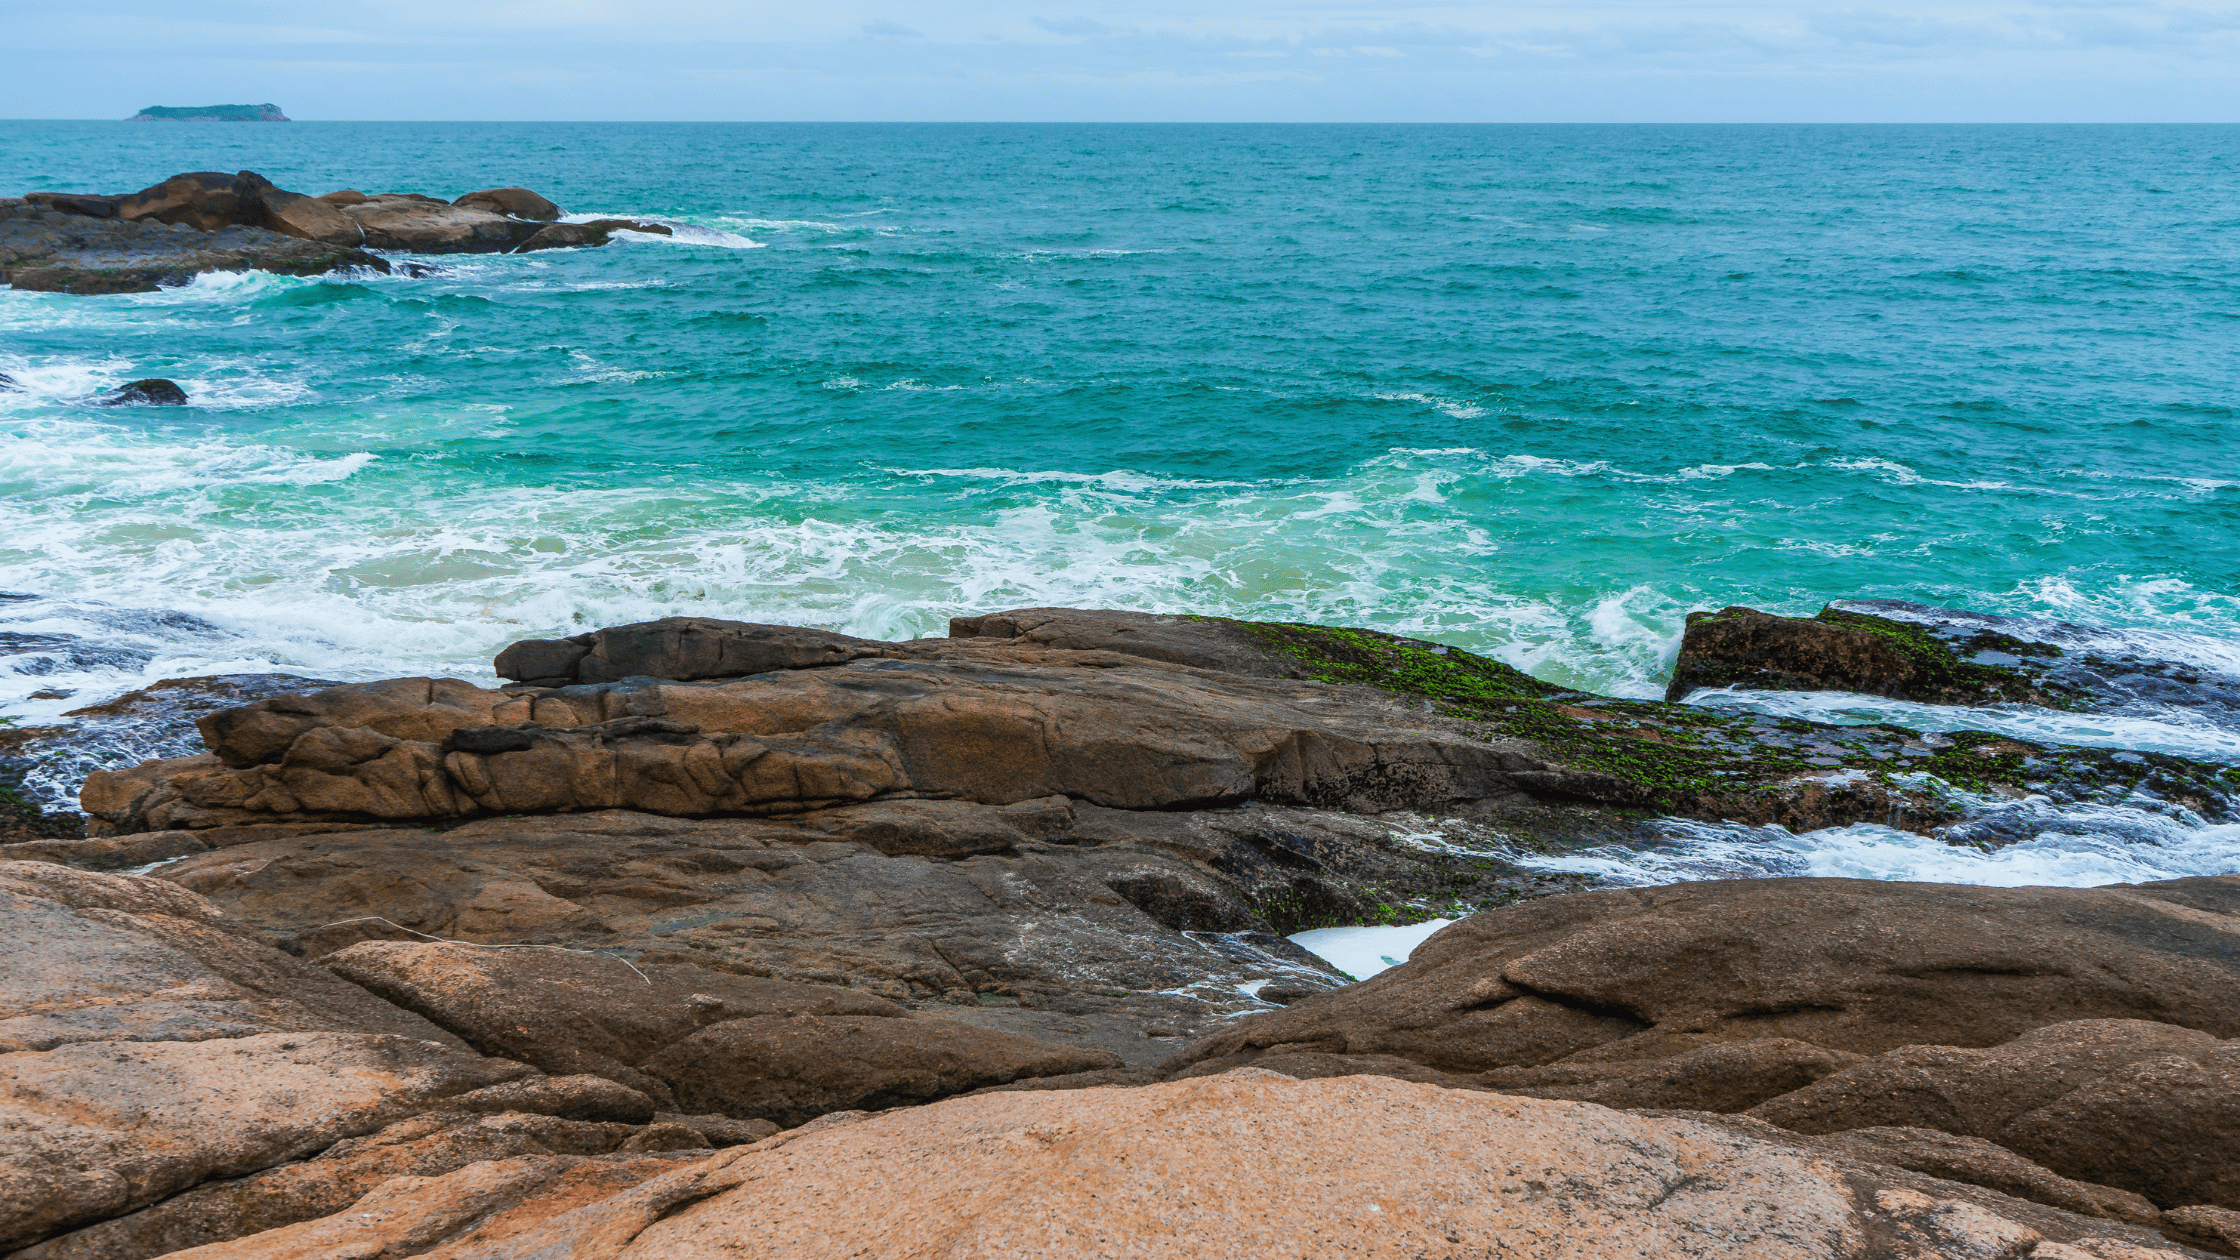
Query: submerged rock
[[152, 392]]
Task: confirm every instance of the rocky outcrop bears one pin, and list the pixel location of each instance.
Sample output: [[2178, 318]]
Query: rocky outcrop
[[49, 250], [1949, 656], [520, 203], [212, 221], [1256, 1164], [426, 225], [1858, 966], [682, 649]]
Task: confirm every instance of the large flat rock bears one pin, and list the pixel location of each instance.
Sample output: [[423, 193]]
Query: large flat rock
[[1253, 1164]]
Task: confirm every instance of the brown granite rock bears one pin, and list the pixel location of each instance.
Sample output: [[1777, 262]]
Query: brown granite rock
[[1724, 1077], [1254, 1164], [481, 1204], [791, 1069], [2140, 1106], [679, 648], [96, 1129], [425, 225], [424, 1145], [1859, 966], [95, 957], [518, 202], [206, 200], [572, 1012], [1110, 731], [1986, 1164]]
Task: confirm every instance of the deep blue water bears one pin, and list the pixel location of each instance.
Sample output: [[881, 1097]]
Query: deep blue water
[[1535, 390]]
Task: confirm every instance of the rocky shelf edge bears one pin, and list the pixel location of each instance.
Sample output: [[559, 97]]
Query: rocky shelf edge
[[789, 878], [209, 221]]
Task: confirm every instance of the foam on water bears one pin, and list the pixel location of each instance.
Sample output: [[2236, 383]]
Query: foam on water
[[1362, 952], [2179, 732], [2082, 847]]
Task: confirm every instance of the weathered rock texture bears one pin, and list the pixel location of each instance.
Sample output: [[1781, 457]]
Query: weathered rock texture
[[95, 957], [2145, 1107], [1857, 966], [1252, 1164]]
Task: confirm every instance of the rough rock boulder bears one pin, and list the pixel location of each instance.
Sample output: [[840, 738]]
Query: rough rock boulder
[[1857, 966], [2146, 1107]]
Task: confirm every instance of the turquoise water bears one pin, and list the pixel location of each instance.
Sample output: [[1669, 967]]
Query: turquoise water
[[1534, 390]]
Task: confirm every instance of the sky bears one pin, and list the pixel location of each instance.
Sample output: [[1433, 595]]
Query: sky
[[1141, 60]]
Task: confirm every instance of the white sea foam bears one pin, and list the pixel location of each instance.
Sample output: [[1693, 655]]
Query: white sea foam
[[1362, 952], [2081, 847], [2179, 732]]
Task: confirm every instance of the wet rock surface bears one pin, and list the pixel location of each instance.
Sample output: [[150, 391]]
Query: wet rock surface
[[1952, 656], [54, 251]]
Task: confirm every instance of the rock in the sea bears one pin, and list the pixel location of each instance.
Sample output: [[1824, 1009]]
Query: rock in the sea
[[48, 250], [1253, 1164], [151, 392], [596, 232], [1858, 966], [2147, 1107], [518, 202], [91, 206], [307, 218], [207, 200], [426, 225], [1950, 656]]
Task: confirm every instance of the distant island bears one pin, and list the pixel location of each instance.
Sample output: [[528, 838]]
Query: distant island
[[267, 112]]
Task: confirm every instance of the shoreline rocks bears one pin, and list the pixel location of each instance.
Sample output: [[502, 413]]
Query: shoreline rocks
[[203, 221], [625, 954]]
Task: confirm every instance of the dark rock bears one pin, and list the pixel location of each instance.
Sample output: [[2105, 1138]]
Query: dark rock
[[792, 1069], [207, 200], [564, 236], [152, 392], [680, 648], [1840, 650], [48, 251], [91, 207], [518, 202], [9, 384], [344, 197]]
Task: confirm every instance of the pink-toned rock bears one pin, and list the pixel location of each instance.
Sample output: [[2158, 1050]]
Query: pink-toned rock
[[1251, 1164], [96, 1129]]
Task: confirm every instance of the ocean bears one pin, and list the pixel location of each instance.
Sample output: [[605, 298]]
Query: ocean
[[1534, 391]]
